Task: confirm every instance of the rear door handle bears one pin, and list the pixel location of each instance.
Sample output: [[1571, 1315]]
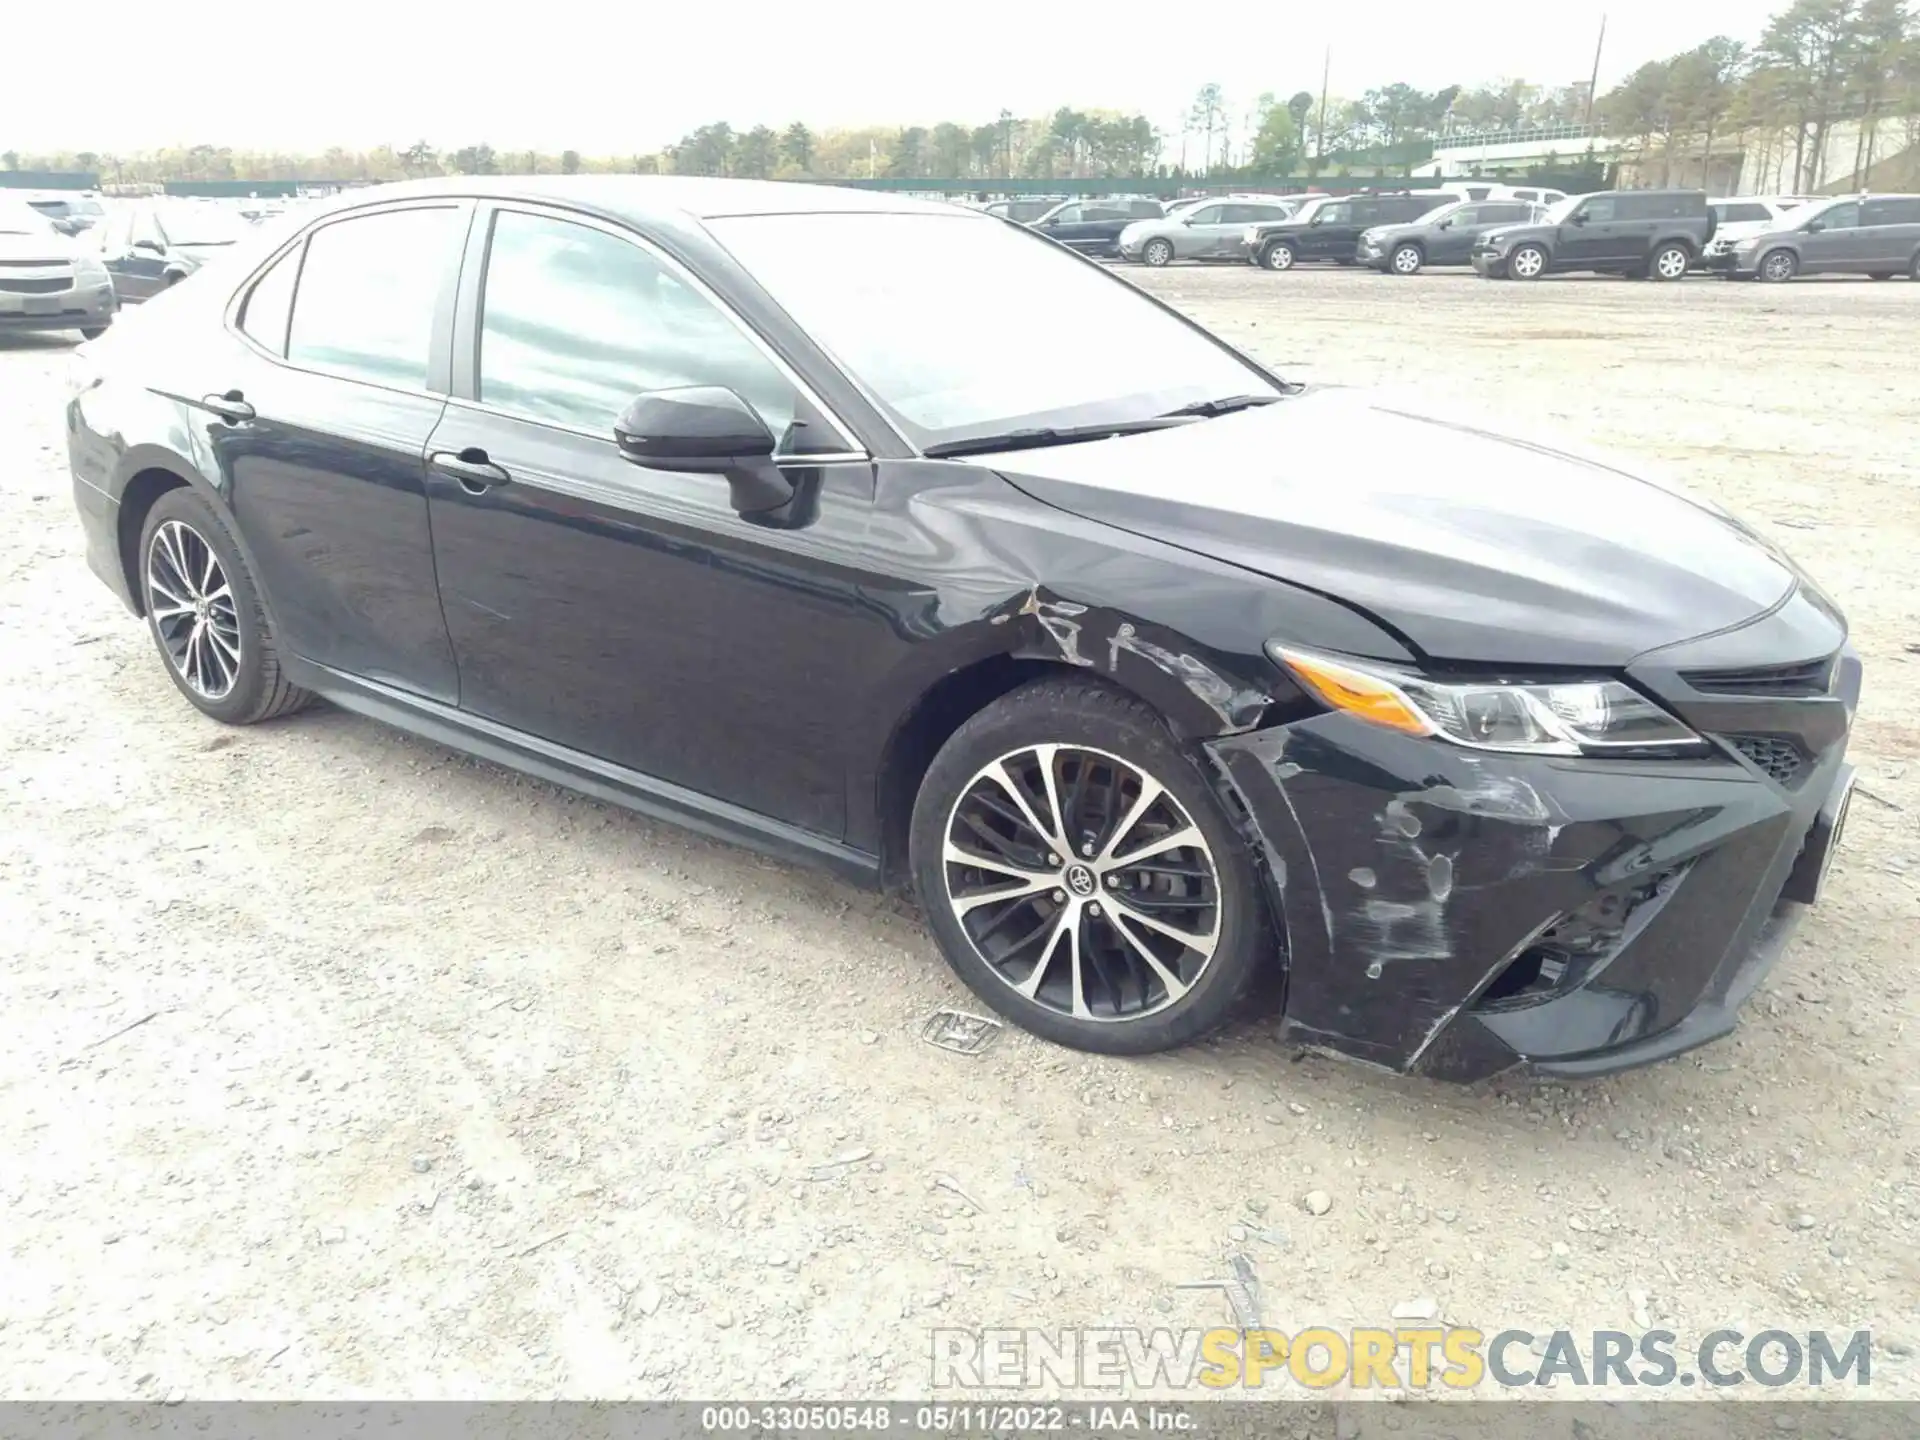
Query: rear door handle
[[470, 467], [231, 406]]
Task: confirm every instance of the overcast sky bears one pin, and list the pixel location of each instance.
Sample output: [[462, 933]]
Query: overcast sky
[[605, 78]]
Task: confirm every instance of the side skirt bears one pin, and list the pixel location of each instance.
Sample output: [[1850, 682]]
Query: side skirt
[[517, 750]]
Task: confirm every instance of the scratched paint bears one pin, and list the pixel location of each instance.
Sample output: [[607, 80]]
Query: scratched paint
[[1237, 708]]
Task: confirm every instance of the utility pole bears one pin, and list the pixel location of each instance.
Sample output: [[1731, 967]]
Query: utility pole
[[1594, 83], [1326, 69]]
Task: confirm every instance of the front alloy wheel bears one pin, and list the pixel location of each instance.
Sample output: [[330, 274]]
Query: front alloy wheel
[[1278, 257], [1529, 262], [1081, 874], [1082, 883], [1778, 266], [1407, 260], [1157, 252]]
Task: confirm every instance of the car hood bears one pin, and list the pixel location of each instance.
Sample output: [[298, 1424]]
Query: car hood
[[36, 249], [1143, 230], [1474, 547]]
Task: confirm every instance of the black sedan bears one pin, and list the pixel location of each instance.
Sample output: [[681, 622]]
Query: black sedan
[[730, 502]]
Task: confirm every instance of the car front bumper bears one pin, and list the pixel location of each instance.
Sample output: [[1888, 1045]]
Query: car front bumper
[[1454, 913], [86, 305], [1719, 262], [1488, 262]]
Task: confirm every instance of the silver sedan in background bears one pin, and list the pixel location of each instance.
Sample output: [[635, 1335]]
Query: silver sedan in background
[[1209, 230]]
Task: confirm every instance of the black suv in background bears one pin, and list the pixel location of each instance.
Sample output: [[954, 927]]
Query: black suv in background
[[1329, 229], [1655, 233], [1444, 237], [1093, 226]]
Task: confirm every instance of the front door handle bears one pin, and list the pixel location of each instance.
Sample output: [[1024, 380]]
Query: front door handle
[[231, 406], [470, 467]]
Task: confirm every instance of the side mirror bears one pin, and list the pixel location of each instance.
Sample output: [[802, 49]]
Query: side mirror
[[1444, 225], [1579, 217], [152, 246], [705, 430], [1814, 227]]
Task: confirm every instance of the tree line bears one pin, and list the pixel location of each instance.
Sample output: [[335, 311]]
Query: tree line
[[1816, 65]]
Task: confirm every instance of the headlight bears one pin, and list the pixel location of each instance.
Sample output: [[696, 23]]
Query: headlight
[[87, 266], [1577, 718], [1497, 238]]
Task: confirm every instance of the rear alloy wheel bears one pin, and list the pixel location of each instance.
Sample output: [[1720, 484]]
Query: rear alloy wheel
[[1278, 256], [1670, 262], [1081, 877], [1407, 260], [1157, 252], [206, 616], [1528, 262], [1778, 266]]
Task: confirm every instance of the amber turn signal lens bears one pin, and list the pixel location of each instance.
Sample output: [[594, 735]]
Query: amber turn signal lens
[[1357, 693]]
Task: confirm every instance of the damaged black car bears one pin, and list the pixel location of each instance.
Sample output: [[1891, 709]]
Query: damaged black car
[[744, 505]]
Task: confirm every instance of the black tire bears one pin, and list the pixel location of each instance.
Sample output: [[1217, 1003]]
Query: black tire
[[1157, 252], [1278, 256], [92, 332], [258, 690], [1776, 267], [1406, 260], [1094, 727], [1519, 267], [1882, 275], [1670, 262]]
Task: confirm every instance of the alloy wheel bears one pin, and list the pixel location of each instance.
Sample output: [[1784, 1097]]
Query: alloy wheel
[[1280, 257], [1157, 252], [1527, 262], [1082, 882], [1671, 263], [1779, 265], [193, 610], [1406, 260]]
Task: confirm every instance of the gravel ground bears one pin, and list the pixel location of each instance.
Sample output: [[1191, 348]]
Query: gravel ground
[[335, 1064]]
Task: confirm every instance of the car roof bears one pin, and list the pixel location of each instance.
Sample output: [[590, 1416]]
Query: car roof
[[644, 197]]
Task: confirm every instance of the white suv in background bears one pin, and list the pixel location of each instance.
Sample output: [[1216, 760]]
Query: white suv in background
[[1739, 217]]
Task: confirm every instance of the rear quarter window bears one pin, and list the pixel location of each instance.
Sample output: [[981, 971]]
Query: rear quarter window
[[1902, 210]]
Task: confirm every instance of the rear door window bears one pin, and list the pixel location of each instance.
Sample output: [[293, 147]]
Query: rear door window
[[368, 293], [1899, 210], [269, 304]]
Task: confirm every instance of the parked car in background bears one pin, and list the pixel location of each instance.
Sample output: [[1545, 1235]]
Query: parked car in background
[[1147, 672], [1328, 229], [1499, 190], [150, 245], [1208, 230], [1441, 237], [1024, 210], [1655, 233], [1093, 226], [1737, 218], [68, 213], [46, 281], [1877, 235]]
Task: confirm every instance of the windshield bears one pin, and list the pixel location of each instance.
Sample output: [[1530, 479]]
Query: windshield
[[1442, 210], [18, 219], [196, 226], [1308, 207], [1562, 209], [936, 316], [1804, 214]]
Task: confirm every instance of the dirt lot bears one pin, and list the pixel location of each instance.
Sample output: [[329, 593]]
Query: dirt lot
[[333, 1063]]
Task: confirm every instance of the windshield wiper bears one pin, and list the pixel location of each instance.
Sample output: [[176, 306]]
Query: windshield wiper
[[1224, 406], [1033, 439]]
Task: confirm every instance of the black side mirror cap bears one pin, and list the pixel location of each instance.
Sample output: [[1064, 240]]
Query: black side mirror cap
[[705, 430]]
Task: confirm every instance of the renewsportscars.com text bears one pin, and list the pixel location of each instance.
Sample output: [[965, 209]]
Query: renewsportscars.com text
[[1405, 1357]]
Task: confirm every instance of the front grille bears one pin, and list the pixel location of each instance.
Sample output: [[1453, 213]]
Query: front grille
[[1779, 757], [1802, 678], [21, 285]]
